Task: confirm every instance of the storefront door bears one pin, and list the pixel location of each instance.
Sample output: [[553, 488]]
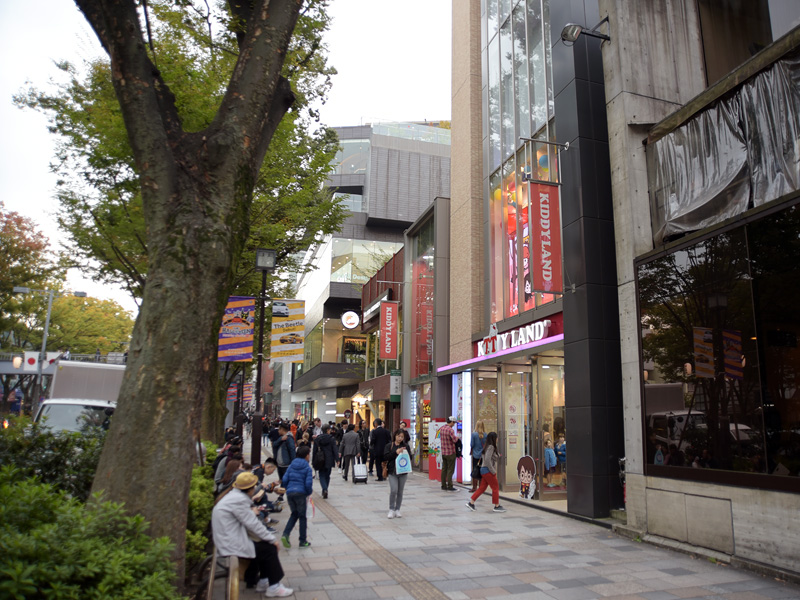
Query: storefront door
[[550, 423], [515, 432]]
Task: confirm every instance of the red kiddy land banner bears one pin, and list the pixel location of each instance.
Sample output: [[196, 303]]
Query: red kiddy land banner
[[389, 330], [546, 239]]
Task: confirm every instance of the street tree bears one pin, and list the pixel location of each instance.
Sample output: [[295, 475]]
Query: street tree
[[196, 189]]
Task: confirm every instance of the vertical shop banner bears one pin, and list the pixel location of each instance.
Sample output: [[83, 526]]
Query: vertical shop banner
[[732, 344], [546, 239], [288, 330], [236, 333], [389, 327], [703, 338]]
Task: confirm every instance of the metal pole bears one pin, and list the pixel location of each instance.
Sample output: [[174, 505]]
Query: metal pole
[[255, 438], [43, 353]]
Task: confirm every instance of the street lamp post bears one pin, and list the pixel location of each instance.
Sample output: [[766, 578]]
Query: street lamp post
[[43, 354], [265, 262]]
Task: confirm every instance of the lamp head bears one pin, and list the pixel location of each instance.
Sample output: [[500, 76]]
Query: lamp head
[[265, 259], [571, 32]]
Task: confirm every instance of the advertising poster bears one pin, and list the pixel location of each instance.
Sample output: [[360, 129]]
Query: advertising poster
[[434, 450], [236, 332], [288, 330], [545, 238], [732, 344], [703, 338]]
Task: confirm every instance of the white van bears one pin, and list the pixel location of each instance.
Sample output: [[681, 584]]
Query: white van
[[72, 414]]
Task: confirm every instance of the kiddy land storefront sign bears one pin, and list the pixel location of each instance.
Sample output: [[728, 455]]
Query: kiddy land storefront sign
[[520, 337]]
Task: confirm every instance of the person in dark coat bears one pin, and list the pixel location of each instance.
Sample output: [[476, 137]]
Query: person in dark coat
[[380, 438], [325, 446], [283, 449]]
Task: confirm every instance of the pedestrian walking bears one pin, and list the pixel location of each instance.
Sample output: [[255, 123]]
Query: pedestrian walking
[[477, 440], [489, 474], [380, 439], [448, 447], [363, 438], [324, 457], [338, 433], [350, 448], [298, 484], [397, 481]]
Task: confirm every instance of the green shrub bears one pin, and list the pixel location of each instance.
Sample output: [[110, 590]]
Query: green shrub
[[52, 546], [201, 503], [64, 459]]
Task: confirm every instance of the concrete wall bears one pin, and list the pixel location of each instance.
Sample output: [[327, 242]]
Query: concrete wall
[[653, 65], [466, 194]]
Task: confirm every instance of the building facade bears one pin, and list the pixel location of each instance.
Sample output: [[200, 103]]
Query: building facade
[[703, 127], [387, 175], [533, 316]]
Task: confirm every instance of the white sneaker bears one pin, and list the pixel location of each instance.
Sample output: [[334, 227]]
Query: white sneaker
[[279, 591], [391, 514], [397, 515], [262, 585]]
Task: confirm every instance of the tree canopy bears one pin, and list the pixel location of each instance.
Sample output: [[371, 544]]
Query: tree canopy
[[195, 50]]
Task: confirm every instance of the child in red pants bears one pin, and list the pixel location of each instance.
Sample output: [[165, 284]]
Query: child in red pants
[[490, 457]]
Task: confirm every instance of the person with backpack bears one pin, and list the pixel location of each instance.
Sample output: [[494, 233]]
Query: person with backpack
[[324, 457], [283, 449]]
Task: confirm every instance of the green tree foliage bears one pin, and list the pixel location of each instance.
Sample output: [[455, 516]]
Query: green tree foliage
[[195, 51], [53, 546], [65, 460]]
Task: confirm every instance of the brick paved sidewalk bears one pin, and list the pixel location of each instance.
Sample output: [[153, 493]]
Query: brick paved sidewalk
[[441, 550]]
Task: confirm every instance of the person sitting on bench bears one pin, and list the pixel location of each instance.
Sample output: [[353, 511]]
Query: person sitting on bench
[[232, 519]]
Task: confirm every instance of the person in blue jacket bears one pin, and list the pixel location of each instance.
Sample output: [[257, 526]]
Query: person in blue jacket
[[298, 483]]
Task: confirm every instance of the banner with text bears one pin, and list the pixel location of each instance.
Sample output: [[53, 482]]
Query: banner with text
[[546, 239], [288, 330], [236, 333], [389, 327]]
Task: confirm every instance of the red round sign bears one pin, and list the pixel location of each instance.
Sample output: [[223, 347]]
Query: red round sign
[[348, 413]]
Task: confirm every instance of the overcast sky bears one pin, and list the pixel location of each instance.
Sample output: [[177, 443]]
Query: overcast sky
[[393, 59]]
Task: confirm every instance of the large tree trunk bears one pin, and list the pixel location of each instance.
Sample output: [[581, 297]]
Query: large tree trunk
[[196, 191]]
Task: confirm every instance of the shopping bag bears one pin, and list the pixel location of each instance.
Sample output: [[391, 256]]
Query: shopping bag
[[402, 464], [310, 510]]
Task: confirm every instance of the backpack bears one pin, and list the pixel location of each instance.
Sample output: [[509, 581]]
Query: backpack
[[319, 459]]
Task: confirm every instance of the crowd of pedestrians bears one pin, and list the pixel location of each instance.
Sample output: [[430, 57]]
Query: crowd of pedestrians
[[302, 451]]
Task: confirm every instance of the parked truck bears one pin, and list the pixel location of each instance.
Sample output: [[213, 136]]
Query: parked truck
[[81, 394]]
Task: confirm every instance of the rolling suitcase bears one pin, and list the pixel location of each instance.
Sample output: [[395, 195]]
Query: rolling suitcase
[[359, 471]]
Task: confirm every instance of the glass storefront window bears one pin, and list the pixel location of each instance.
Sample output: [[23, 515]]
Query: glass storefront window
[[511, 279], [375, 366], [496, 241], [485, 391], [515, 400], [536, 61], [422, 280], [720, 326]]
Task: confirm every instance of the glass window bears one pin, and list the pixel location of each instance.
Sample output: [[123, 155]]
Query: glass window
[[342, 260], [510, 239], [352, 202], [494, 103], [523, 168], [507, 90], [536, 60], [352, 158], [491, 16], [720, 327], [521, 77], [496, 241], [422, 279], [355, 261]]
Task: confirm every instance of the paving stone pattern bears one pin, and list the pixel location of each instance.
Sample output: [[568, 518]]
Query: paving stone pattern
[[441, 550]]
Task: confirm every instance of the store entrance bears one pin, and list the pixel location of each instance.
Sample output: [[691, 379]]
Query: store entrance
[[549, 439], [515, 421]]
